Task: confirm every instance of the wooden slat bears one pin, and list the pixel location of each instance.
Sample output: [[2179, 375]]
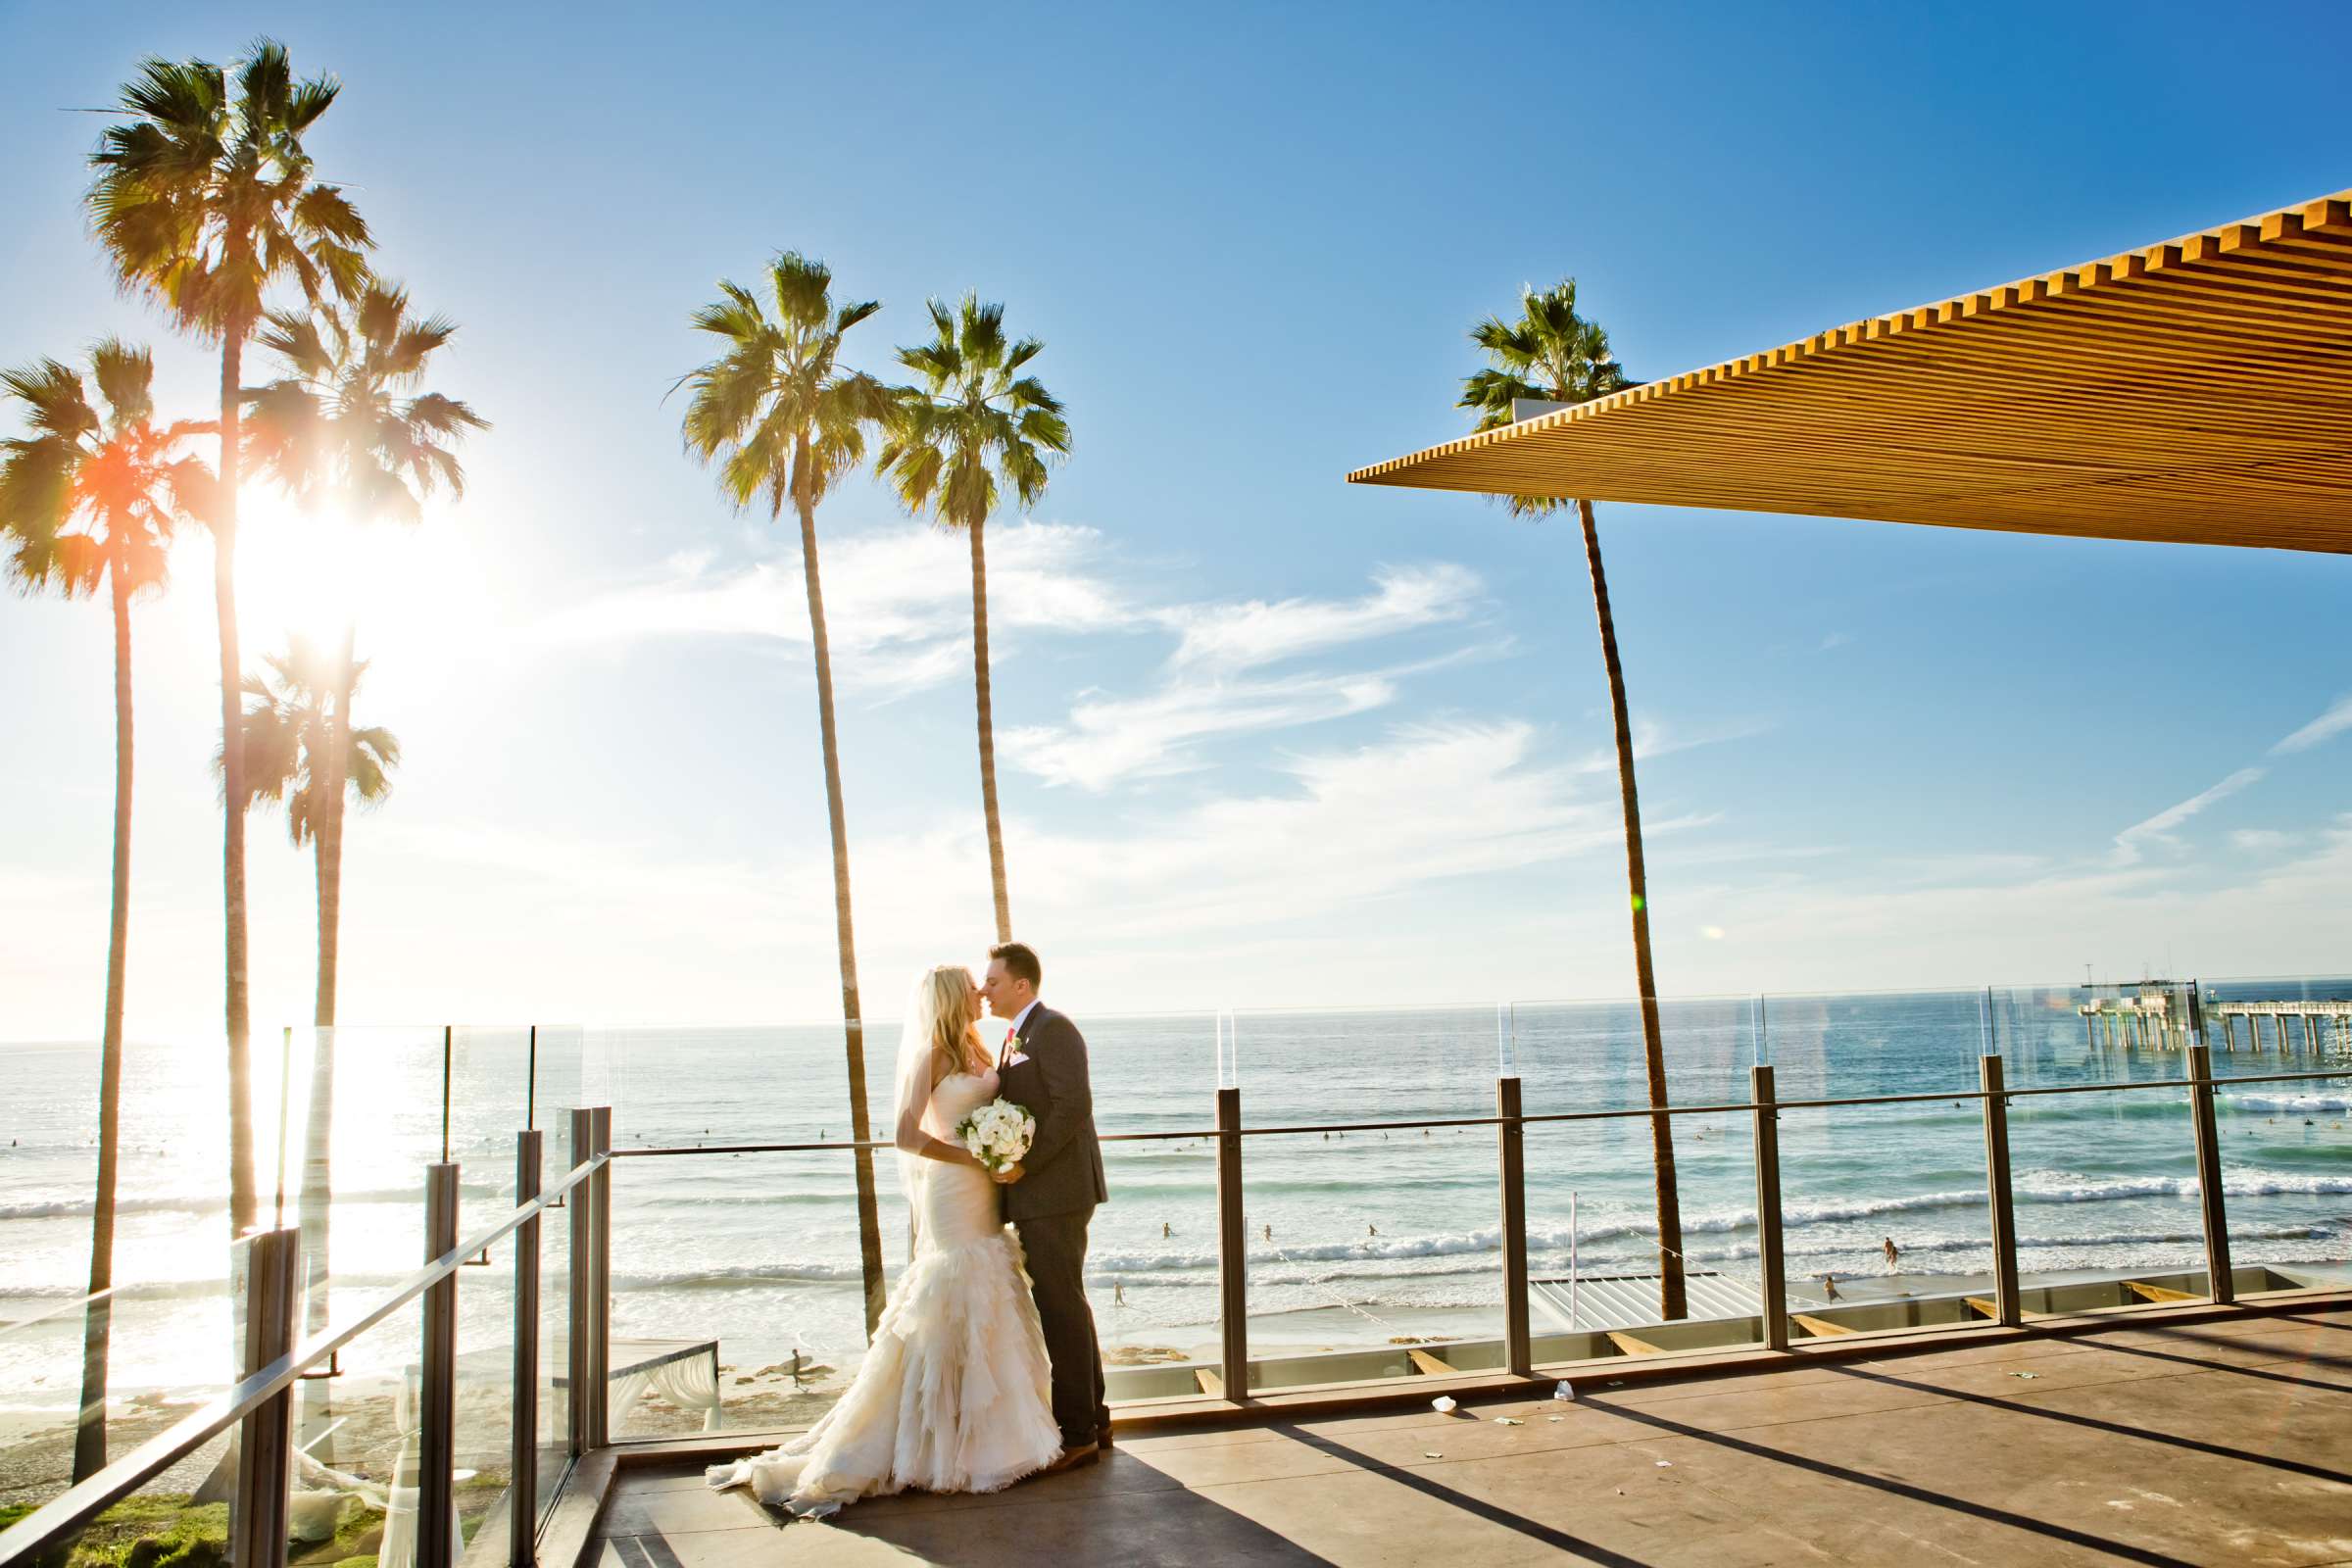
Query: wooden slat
[[2196, 391], [1431, 1364], [1820, 1327], [1209, 1382], [1631, 1345]]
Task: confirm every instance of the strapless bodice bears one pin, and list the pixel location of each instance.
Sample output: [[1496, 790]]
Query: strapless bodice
[[958, 1096], [959, 1204]]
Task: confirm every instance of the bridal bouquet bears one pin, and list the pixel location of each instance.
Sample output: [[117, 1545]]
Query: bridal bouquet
[[997, 1134]]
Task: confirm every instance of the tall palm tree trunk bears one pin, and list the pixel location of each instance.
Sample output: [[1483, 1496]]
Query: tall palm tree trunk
[[243, 1199], [869, 1223], [329, 828], [89, 1434], [1671, 1299], [316, 1402], [988, 732]]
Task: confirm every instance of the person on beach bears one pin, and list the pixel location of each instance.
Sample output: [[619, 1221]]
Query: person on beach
[[1893, 1257]]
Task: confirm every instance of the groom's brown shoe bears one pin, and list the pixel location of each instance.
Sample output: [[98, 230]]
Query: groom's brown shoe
[[1084, 1454]]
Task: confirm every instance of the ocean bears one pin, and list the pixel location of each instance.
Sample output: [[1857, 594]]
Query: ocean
[[1354, 1239]]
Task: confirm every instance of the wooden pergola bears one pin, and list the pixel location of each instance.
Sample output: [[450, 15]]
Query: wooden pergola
[[2197, 391]]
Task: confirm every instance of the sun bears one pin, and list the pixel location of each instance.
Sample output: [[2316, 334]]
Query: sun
[[316, 573]]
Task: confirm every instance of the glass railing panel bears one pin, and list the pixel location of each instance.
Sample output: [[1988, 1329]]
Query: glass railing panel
[[556, 1066], [482, 1452], [1598, 1257], [2105, 1183], [756, 1253], [554, 1338], [1152, 1251], [164, 1352], [181, 1516], [490, 1095], [1592, 1055], [2287, 1147], [1845, 1045], [352, 1481], [1367, 1246], [1885, 1215], [168, 1315]]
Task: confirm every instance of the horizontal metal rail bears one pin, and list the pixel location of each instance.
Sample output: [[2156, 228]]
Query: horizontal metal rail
[[1727, 1107], [60, 1515]]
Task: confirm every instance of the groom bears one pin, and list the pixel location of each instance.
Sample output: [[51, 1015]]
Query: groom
[[1051, 1196]]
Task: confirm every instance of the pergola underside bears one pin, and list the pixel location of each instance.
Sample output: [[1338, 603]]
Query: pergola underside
[[2193, 392]]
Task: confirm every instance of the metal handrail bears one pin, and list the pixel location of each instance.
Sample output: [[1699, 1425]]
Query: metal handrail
[[1729, 1108], [61, 1514]]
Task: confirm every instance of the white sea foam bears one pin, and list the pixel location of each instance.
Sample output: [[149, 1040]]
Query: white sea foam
[[2301, 1104]]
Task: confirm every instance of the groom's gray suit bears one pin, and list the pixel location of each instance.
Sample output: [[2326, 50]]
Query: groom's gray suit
[[1050, 1206]]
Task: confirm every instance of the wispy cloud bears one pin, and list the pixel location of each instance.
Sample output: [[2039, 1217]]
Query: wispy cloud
[[2261, 840], [897, 601], [2328, 725], [1214, 683], [1255, 632], [1108, 739], [1653, 739], [2131, 845]]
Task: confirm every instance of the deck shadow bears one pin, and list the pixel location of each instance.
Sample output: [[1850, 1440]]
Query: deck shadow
[[2072, 1537], [1559, 1540], [2116, 1428]]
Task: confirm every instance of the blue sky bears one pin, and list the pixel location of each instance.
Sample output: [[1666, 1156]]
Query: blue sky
[[1266, 738]]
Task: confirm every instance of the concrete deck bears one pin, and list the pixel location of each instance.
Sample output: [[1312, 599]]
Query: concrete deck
[[2226, 1441]]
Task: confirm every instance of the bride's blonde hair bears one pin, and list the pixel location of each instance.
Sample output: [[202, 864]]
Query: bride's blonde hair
[[949, 991]]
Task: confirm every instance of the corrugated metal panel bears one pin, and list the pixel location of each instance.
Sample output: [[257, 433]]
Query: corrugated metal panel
[[1628, 1301]]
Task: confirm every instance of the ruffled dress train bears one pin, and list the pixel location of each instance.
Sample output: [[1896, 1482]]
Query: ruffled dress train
[[955, 1391]]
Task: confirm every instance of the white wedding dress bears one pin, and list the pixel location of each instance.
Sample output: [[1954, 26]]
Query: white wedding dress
[[955, 1392]]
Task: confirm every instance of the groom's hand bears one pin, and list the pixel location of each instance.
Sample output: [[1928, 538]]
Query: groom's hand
[[1009, 1175]]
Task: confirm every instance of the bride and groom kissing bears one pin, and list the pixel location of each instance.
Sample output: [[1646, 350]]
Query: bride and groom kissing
[[984, 1368]]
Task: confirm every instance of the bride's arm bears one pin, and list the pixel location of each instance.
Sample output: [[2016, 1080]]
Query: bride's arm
[[912, 1138]]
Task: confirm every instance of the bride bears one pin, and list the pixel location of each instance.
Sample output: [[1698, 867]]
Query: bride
[[955, 1393]]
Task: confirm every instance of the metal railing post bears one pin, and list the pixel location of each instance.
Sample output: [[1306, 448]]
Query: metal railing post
[[1772, 1268], [437, 1426], [1518, 1343], [2008, 1309], [264, 1437], [2219, 1284], [1233, 1250], [522, 1489], [600, 1321], [581, 1207]]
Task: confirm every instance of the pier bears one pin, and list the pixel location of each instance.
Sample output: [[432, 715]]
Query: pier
[[2168, 1015]]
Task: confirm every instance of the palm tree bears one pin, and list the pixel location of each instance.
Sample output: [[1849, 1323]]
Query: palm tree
[[90, 498], [341, 427], [289, 731], [782, 419], [974, 422], [294, 723], [1554, 355], [204, 200]]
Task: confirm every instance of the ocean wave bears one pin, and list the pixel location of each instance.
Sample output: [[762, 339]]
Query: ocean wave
[[2305, 1103], [204, 1204], [732, 1278]]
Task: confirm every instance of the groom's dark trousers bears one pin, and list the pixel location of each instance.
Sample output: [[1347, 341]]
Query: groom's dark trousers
[[1050, 1208]]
